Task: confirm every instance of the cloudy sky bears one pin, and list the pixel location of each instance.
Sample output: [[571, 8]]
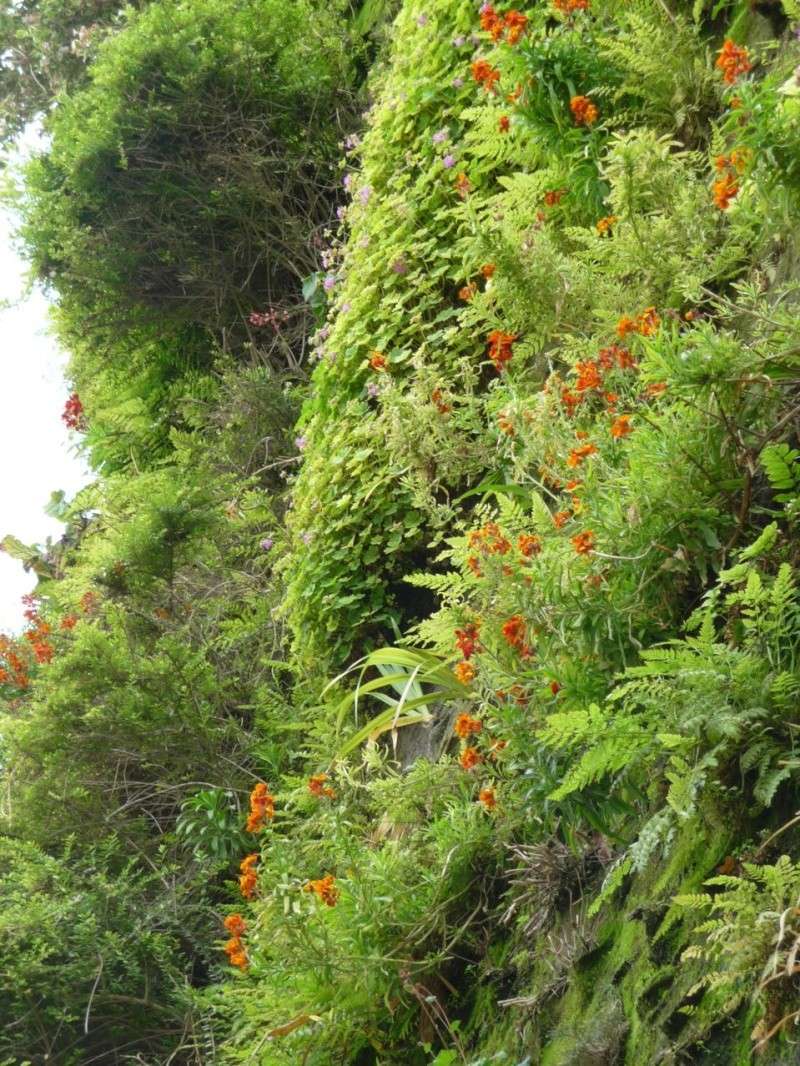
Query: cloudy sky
[[37, 455]]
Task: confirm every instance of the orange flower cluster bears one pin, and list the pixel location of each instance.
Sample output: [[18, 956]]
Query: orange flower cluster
[[733, 61], [15, 669], [234, 948], [504, 123], [568, 7], [248, 878], [588, 376], [317, 786], [560, 519], [577, 455], [88, 602], [465, 672], [378, 361], [485, 74], [489, 540], [438, 401], [500, 348], [645, 324], [69, 621], [37, 637], [467, 639], [621, 427], [262, 808], [465, 726], [528, 545], [605, 225], [324, 889], [583, 111], [488, 798], [616, 354], [487, 270], [583, 543], [554, 196], [514, 632], [466, 292], [513, 24], [726, 186], [469, 758]]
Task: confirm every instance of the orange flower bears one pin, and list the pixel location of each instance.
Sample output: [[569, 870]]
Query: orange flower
[[317, 786], [514, 631], [500, 348], [505, 424], [69, 622], [560, 519], [583, 543], [605, 225], [577, 455], [487, 797], [570, 401], [625, 326], [725, 190], [656, 388], [466, 292], [514, 95], [491, 22], [616, 354], [467, 639], [235, 924], [645, 324], [611, 399], [465, 726], [733, 61], [489, 539], [485, 74], [469, 758], [463, 186], [504, 123], [325, 890], [621, 427], [474, 566], [262, 808], [439, 403], [515, 23], [568, 7], [588, 376], [465, 672], [555, 688], [488, 270], [583, 110], [528, 545], [247, 876], [378, 361], [648, 322], [554, 196]]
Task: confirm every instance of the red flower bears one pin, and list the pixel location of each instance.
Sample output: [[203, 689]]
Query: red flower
[[491, 22], [514, 631], [504, 123], [467, 639], [72, 416], [465, 726]]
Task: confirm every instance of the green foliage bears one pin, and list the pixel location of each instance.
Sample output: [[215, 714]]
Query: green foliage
[[748, 939]]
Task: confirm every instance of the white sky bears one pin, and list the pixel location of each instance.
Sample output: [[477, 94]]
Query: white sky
[[37, 453]]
